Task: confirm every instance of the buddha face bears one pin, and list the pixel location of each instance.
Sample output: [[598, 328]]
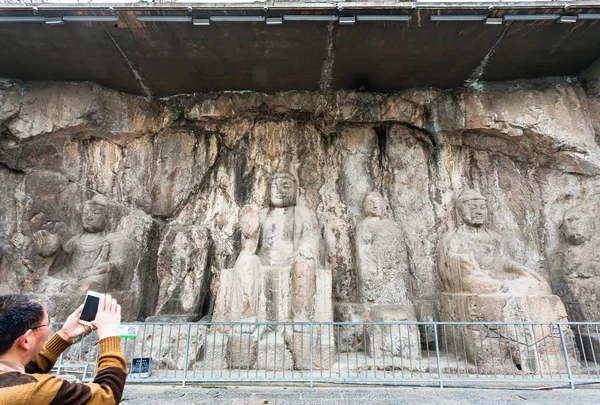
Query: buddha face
[[374, 205], [283, 191], [93, 218], [473, 212], [576, 227]]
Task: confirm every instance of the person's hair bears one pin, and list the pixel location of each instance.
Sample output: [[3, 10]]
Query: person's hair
[[17, 314]]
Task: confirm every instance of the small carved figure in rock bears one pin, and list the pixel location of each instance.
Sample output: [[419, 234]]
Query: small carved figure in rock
[[576, 264], [381, 256], [93, 259], [290, 237], [246, 271], [473, 258]]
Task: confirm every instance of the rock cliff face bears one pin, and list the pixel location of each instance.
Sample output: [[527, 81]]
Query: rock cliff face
[[180, 169]]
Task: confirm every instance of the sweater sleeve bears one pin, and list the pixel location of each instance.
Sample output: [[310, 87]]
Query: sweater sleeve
[[43, 362], [106, 389]]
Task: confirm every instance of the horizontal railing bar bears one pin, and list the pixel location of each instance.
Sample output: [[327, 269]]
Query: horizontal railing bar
[[380, 353]]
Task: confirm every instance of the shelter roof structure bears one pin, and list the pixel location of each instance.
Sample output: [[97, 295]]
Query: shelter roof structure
[[160, 49]]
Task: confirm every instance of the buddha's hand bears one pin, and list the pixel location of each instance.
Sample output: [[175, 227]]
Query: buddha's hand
[[467, 264], [483, 285], [527, 271], [46, 244], [99, 269]]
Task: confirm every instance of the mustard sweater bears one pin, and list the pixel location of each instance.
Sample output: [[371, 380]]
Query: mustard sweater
[[38, 388]]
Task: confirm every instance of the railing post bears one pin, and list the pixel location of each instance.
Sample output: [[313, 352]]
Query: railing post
[[311, 354], [566, 353], [60, 362], [187, 351], [437, 354]]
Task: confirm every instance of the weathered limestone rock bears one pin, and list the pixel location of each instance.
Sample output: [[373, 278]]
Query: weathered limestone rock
[[183, 269], [181, 169], [481, 283], [49, 107]]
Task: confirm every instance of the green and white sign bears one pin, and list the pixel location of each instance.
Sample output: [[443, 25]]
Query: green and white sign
[[128, 331]]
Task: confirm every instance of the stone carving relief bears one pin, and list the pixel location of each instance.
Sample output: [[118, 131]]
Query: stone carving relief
[[481, 283], [278, 276], [384, 283], [575, 269], [94, 259], [241, 286]]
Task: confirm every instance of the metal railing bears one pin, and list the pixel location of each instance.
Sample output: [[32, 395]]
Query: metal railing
[[423, 353]]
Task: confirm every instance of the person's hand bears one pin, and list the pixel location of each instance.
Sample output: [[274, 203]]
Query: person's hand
[[108, 318], [72, 328]]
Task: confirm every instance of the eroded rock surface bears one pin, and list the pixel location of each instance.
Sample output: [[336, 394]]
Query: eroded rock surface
[[180, 169]]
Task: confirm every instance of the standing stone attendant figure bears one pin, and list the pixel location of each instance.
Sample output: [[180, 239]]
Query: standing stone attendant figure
[[576, 264], [246, 271], [384, 283], [382, 256]]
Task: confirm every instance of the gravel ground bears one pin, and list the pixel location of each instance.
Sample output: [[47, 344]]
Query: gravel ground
[[343, 394]]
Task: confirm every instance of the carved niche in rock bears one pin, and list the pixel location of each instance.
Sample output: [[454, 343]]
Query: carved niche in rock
[[481, 283], [575, 268], [94, 259], [278, 277], [183, 271]]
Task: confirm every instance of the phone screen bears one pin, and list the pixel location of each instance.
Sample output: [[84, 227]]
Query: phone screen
[[90, 308]]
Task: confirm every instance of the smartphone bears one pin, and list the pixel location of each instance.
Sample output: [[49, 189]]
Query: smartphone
[[90, 307]]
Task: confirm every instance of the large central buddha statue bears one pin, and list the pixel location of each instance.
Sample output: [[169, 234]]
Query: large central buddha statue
[[290, 239], [277, 278]]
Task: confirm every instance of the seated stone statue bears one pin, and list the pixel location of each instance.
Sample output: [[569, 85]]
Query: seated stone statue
[[481, 283], [92, 260], [473, 258]]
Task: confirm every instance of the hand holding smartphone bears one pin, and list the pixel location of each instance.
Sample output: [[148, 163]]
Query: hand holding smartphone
[[90, 308]]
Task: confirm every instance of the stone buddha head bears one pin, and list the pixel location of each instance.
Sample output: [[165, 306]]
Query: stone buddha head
[[577, 224], [94, 216], [283, 190], [374, 205], [471, 208]]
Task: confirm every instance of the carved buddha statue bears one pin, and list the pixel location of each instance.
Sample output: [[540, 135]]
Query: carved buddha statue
[[474, 259], [290, 238], [94, 259]]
